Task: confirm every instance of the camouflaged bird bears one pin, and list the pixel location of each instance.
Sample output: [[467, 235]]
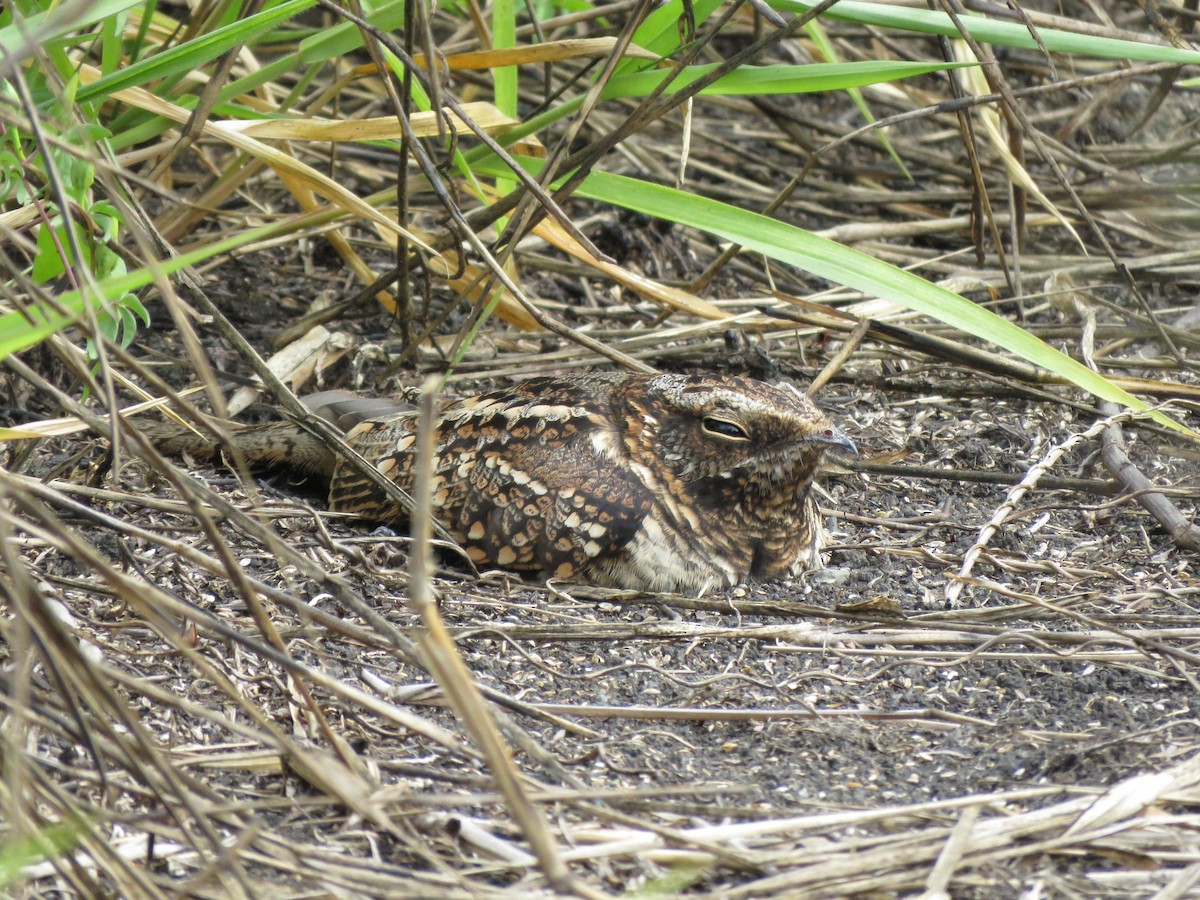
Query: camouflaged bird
[[654, 482]]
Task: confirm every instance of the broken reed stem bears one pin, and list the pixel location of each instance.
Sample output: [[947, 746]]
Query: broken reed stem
[[955, 588], [446, 664]]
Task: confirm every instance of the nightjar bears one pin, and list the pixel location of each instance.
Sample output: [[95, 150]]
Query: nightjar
[[679, 483]]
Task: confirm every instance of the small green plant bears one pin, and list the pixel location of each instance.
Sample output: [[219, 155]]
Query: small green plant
[[77, 242], [17, 856]]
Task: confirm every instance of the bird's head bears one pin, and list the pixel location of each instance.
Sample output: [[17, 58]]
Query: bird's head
[[729, 437]]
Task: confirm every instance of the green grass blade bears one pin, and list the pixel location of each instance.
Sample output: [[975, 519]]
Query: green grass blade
[[50, 842], [504, 78], [827, 52], [195, 53], [659, 33], [51, 25], [845, 266], [346, 37], [1005, 34], [775, 79], [746, 80]]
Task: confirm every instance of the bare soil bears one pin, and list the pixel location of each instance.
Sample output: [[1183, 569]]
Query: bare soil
[[1065, 668], [231, 688]]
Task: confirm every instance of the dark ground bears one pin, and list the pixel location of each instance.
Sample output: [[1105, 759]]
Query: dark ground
[[1067, 667], [843, 734]]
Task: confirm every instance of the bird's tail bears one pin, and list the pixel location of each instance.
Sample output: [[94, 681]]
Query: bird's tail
[[344, 410], [278, 444]]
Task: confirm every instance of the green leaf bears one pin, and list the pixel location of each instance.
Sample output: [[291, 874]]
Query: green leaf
[[49, 262], [660, 31], [826, 51], [78, 177], [841, 265], [195, 53], [107, 216], [774, 79], [49, 843], [20, 330], [11, 182], [69, 89], [1005, 34], [86, 133], [109, 326], [53, 24], [110, 41], [345, 37], [133, 303], [107, 262]]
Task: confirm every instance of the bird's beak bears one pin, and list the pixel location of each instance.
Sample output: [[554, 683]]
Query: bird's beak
[[836, 439]]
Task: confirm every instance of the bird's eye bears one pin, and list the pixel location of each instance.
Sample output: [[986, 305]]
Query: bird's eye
[[726, 429]]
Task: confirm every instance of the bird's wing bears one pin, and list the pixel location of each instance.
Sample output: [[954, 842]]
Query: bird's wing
[[550, 499], [528, 478]]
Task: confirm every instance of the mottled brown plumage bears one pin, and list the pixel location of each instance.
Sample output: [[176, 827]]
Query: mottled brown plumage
[[657, 482]]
